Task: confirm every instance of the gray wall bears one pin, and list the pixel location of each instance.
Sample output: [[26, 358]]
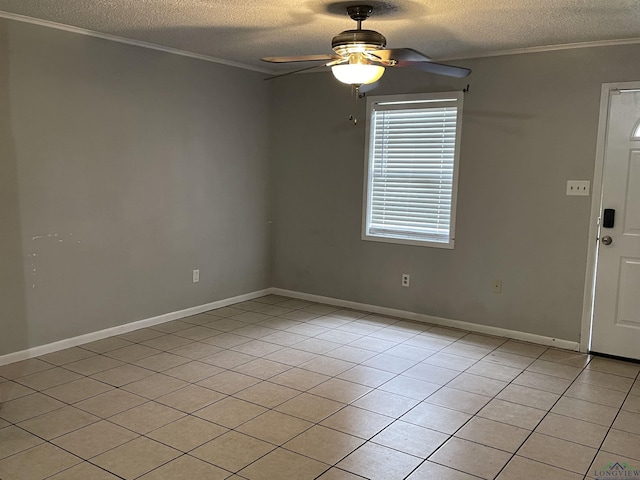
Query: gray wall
[[122, 169], [529, 125]]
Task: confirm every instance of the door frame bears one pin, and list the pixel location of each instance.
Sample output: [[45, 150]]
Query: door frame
[[596, 206]]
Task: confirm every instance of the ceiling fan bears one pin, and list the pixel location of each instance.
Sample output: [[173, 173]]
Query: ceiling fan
[[361, 58]]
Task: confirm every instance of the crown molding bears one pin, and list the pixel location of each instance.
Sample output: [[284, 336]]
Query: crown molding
[[544, 48], [208, 58], [127, 41]]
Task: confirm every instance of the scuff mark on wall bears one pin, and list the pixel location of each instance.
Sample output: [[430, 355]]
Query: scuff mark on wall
[[33, 267], [48, 236], [55, 235]]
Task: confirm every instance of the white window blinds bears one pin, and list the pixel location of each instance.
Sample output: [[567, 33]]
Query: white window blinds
[[412, 165]]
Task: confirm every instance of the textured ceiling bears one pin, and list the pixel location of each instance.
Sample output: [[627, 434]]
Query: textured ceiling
[[244, 31]]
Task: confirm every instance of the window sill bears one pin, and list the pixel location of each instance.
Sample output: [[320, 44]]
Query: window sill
[[406, 241]]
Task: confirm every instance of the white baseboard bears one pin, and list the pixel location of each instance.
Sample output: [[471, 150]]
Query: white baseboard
[[128, 327], [445, 322], [168, 317]]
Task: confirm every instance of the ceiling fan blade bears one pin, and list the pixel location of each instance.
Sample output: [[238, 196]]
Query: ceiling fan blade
[[437, 68], [300, 58], [312, 67], [296, 71], [401, 55]]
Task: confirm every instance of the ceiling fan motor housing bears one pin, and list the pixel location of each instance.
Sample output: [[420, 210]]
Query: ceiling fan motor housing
[[356, 41]]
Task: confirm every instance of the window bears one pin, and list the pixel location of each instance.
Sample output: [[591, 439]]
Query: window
[[636, 131], [413, 144]]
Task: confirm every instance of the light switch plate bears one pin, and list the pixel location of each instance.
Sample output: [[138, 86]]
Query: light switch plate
[[579, 187]]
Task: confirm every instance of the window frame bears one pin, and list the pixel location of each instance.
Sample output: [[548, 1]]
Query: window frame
[[454, 99]]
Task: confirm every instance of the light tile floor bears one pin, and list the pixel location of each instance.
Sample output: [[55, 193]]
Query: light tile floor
[[278, 388]]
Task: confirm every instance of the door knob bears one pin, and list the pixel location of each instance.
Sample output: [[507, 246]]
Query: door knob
[[607, 240]]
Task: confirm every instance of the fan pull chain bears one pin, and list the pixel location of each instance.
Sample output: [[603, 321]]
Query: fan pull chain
[[354, 105]]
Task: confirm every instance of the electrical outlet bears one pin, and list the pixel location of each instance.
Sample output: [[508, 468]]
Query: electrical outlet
[[497, 286], [578, 187], [405, 279], [196, 276]]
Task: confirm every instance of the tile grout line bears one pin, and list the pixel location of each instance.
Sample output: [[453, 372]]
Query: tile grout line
[[452, 435], [604, 439], [398, 341], [271, 409], [540, 421]]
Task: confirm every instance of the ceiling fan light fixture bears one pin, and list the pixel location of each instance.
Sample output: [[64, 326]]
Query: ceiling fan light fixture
[[357, 73]]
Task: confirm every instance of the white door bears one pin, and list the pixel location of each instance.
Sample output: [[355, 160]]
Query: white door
[[616, 314]]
